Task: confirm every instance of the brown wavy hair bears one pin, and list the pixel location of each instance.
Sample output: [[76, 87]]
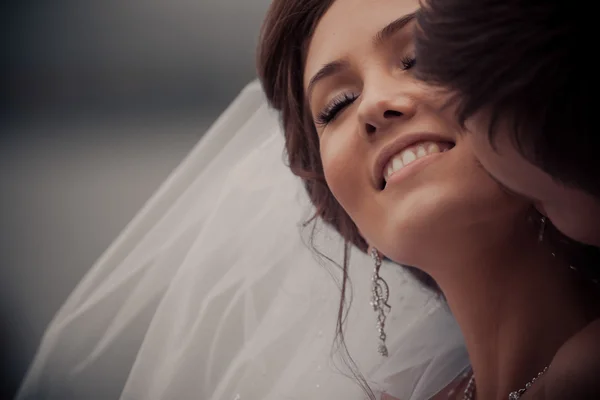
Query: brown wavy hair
[[283, 44]]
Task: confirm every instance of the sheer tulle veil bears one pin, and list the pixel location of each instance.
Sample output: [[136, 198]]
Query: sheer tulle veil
[[212, 293]]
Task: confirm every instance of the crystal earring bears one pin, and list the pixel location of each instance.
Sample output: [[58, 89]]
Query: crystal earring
[[381, 294]]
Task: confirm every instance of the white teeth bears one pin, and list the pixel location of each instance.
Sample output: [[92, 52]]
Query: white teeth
[[433, 148], [409, 155]]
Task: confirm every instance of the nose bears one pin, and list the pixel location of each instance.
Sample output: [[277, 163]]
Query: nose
[[383, 106]]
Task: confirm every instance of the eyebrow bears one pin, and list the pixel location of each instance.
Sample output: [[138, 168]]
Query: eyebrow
[[392, 28], [327, 70], [380, 37]]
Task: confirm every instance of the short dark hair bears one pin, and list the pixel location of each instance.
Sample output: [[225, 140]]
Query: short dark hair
[[519, 64]]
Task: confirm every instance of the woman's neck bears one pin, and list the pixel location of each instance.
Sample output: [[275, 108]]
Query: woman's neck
[[516, 305]]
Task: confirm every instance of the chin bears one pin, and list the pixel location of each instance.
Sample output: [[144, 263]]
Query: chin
[[429, 231], [413, 242]]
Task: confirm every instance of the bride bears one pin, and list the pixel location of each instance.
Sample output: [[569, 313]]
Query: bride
[[213, 291], [392, 175]]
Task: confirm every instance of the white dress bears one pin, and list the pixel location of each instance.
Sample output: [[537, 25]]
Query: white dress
[[212, 293]]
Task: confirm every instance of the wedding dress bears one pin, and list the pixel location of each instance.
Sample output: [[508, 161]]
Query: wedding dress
[[213, 292]]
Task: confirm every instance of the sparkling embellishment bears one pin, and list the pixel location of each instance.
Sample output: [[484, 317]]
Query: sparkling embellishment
[[573, 268], [542, 229], [379, 302], [516, 395], [470, 389]]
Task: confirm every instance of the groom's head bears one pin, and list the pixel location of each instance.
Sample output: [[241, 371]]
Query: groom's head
[[521, 78]]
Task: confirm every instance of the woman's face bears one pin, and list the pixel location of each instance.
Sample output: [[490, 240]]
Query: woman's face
[[399, 169]]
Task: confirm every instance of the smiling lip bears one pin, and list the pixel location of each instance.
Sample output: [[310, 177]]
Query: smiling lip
[[401, 143], [410, 169]]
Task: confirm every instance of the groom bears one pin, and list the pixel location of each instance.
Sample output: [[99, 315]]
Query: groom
[[521, 78]]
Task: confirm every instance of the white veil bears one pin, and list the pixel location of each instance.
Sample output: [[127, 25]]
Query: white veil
[[211, 293]]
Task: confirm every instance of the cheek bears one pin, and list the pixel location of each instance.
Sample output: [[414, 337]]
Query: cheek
[[449, 207], [510, 168], [477, 196], [344, 167], [483, 151]]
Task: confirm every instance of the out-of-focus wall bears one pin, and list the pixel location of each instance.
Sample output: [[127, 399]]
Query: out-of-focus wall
[[101, 101]]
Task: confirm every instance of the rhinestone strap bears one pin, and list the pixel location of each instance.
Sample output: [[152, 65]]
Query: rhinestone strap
[[518, 393], [470, 389]]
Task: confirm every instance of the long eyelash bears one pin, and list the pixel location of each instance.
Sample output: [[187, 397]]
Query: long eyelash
[[408, 62], [329, 113]]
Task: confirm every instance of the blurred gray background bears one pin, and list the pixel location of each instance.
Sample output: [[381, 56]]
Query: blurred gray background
[[100, 102]]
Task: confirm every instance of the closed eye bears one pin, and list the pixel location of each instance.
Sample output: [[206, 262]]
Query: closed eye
[[408, 62], [335, 106], [339, 103]]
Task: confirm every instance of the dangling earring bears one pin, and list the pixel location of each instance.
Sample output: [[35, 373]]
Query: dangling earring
[[379, 302], [542, 229]]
